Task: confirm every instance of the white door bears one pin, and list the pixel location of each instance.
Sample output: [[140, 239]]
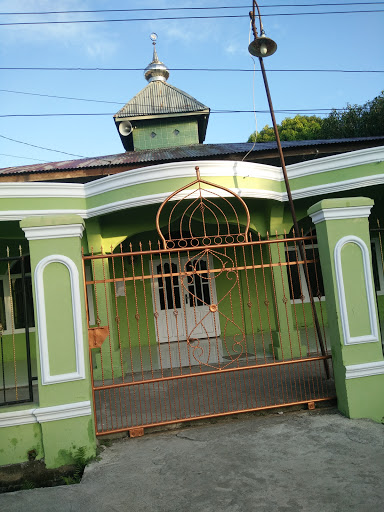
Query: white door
[[200, 298], [183, 305], [168, 302]]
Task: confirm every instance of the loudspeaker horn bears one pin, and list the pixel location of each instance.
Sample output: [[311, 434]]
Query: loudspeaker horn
[[125, 128]]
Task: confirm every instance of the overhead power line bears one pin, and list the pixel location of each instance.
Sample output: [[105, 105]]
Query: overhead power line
[[25, 158], [170, 18], [89, 11], [122, 102], [61, 97], [40, 147], [94, 114], [221, 70]]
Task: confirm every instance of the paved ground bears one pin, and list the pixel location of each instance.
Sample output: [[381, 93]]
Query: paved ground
[[295, 461]]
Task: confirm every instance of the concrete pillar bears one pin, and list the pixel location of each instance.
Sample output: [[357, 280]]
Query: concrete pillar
[[345, 255], [65, 396]]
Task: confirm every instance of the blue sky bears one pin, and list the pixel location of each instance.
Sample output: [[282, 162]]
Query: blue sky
[[350, 41]]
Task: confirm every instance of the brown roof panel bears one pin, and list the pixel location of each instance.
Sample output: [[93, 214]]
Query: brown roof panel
[[191, 152]]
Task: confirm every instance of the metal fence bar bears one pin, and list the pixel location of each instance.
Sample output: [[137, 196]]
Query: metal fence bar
[[14, 391], [195, 331]]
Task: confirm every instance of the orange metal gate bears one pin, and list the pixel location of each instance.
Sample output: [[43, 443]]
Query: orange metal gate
[[206, 321]]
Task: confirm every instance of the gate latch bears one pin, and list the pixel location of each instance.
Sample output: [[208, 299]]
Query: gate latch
[[97, 336]]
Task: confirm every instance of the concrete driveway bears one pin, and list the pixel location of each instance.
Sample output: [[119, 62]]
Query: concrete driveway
[[289, 462]]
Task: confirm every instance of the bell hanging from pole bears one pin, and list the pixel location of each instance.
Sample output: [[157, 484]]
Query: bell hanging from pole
[[262, 46]]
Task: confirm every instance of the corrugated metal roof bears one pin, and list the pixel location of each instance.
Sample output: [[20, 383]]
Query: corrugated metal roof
[[158, 98], [196, 151]]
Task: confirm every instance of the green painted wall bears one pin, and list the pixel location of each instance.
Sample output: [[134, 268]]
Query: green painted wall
[[346, 173], [365, 399], [17, 441], [358, 312], [63, 438], [163, 133], [58, 307], [38, 203]]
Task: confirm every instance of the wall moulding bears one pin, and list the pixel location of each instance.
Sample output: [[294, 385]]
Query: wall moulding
[[372, 335], [355, 371], [59, 231], [44, 414], [46, 376]]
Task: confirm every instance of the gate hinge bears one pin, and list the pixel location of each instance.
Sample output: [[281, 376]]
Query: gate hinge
[[97, 336]]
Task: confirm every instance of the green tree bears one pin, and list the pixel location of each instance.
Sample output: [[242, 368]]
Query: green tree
[[355, 121], [297, 128]]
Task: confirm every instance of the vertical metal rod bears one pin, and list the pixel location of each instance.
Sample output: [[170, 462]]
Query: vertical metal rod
[[288, 189], [26, 327]]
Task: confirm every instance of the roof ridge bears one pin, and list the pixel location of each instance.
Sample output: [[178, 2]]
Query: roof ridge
[[174, 100]]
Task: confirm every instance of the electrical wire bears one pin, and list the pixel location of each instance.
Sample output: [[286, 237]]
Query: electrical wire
[[61, 97], [95, 114], [143, 105], [225, 70], [171, 18], [90, 11], [25, 158], [40, 147]]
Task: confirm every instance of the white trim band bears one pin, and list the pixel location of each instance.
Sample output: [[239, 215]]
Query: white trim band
[[63, 412], [348, 212], [373, 335], [44, 414], [336, 162], [46, 377], [60, 231], [12, 419], [355, 371]]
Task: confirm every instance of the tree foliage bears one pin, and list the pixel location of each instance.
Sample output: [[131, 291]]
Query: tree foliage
[[297, 128], [355, 121]]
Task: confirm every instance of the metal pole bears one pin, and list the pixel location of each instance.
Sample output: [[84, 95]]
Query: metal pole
[[26, 326], [289, 194]]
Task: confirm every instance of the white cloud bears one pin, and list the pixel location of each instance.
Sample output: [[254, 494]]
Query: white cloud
[[88, 38], [188, 31], [236, 48], [194, 31]]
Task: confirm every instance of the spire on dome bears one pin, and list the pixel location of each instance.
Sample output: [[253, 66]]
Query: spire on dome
[[156, 70]]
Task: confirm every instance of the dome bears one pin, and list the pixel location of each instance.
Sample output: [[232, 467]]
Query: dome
[[156, 70]]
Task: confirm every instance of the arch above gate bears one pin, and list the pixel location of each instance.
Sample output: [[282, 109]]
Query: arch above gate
[[216, 209]]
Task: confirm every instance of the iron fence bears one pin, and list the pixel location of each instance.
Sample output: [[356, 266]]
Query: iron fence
[[16, 319], [204, 328]]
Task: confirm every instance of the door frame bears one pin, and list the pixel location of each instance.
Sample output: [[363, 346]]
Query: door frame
[[183, 286]]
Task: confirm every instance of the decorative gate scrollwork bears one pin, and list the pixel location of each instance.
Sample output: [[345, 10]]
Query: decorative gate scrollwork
[[204, 205], [218, 226]]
